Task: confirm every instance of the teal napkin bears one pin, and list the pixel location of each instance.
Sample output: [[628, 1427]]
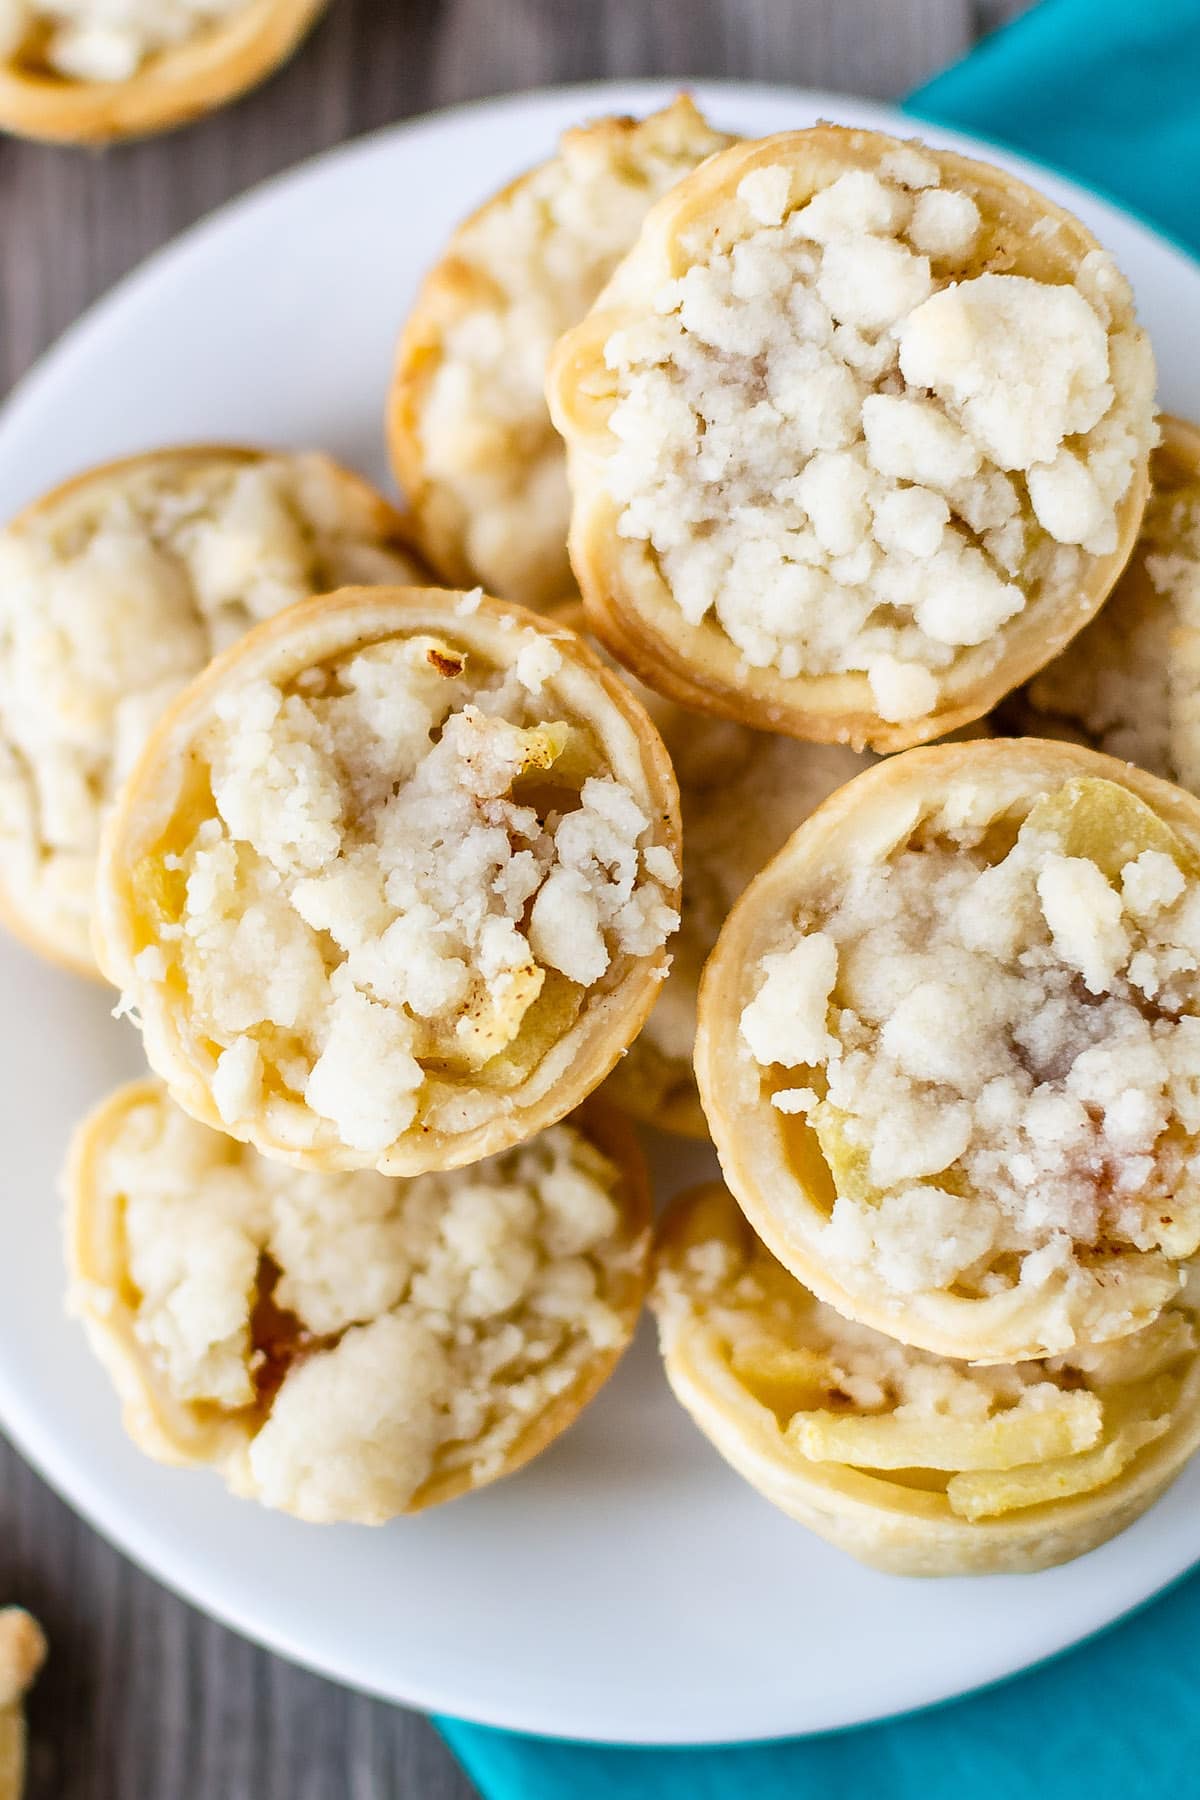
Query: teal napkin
[[1107, 91]]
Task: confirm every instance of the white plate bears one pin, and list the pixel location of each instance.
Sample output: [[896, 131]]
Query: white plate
[[628, 1586]]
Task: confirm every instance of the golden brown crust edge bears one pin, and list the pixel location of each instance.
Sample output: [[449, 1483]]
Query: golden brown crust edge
[[612, 1019], [628, 604], [176, 1433], [168, 91], [912, 1537], [779, 1196], [375, 511]]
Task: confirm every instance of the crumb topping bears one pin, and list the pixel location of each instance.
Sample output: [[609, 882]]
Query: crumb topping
[[993, 1439], [103, 40], [998, 1051], [536, 257], [372, 1331], [111, 600], [1130, 682], [851, 451], [408, 864]]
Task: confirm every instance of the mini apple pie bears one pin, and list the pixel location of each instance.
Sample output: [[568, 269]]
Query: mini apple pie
[[858, 436], [351, 1347], [949, 1048], [392, 882], [86, 71], [22, 1652], [912, 1462], [115, 590], [1129, 684], [470, 436]]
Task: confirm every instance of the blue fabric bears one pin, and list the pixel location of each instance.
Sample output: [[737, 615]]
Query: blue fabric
[[1107, 91]]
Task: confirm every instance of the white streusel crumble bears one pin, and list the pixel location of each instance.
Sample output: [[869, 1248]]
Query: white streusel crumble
[[854, 454], [372, 1331]]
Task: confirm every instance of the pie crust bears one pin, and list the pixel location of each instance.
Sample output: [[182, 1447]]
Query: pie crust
[[413, 931], [512, 1366], [169, 89], [22, 1652], [634, 510], [1040, 1221], [1129, 684], [1030, 1465], [102, 613], [471, 440]]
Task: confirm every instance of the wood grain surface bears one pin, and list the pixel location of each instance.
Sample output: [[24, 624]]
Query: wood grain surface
[[143, 1698]]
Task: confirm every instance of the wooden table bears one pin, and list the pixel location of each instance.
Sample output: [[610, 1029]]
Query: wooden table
[[143, 1699]]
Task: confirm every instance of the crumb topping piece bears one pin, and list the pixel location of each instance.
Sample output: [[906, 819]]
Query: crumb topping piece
[[531, 262], [371, 1331], [853, 451], [1130, 682], [112, 598], [992, 1440], [103, 40], [998, 1052], [409, 862]]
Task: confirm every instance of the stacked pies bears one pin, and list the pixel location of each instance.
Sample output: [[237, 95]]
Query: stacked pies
[[784, 460]]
